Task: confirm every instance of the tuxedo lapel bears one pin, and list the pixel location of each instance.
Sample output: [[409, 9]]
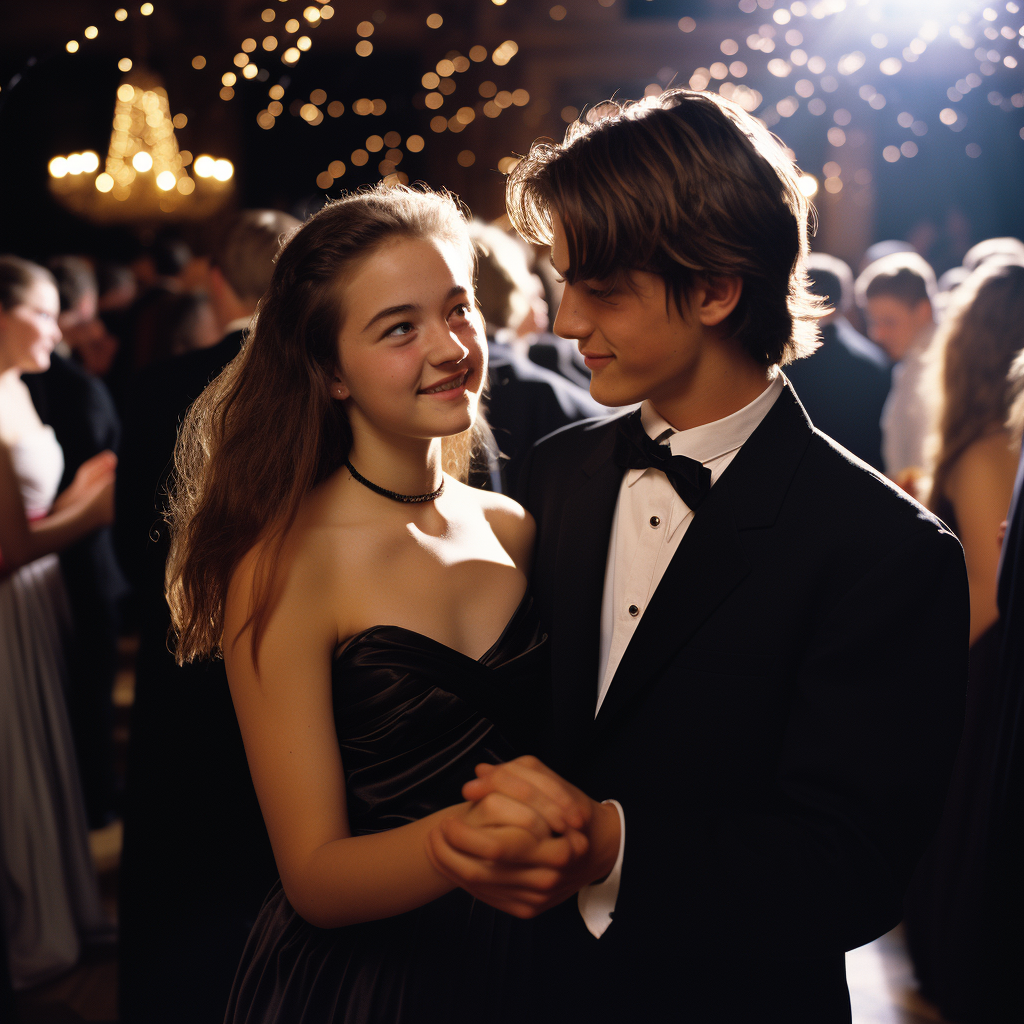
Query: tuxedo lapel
[[586, 512], [713, 557]]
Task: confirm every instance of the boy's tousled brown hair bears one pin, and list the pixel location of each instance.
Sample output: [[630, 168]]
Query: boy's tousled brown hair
[[267, 430], [688, 186]]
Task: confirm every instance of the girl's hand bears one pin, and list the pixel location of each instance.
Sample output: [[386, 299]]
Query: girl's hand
[[499, 811]]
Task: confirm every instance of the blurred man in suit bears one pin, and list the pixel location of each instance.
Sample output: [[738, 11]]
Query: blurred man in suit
[[844, 385], [525, 401], [896, 293], [197, 863]]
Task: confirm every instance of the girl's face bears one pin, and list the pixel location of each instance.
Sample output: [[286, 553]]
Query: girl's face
[[29, 331], [412, 353]]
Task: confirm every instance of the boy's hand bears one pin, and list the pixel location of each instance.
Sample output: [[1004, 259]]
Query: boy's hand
[[495, 851]]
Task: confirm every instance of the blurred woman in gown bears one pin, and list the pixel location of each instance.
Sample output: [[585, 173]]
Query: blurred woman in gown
[[371, 610], [49, 898], [952, 906]]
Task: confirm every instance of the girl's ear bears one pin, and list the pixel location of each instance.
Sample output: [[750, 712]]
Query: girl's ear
[[338, 389]]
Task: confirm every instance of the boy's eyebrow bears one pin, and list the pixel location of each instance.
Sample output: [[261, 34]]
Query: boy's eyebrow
[[411, 307]]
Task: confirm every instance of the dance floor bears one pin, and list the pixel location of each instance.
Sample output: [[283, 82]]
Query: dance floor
[[882, 986]]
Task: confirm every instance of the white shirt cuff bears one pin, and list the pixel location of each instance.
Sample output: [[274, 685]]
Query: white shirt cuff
[[597, 901]]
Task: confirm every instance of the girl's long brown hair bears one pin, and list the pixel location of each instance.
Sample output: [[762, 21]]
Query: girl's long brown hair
[[267, 431], [976, 344]]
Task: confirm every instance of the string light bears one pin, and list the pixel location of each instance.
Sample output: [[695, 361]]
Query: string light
[[980, 32]]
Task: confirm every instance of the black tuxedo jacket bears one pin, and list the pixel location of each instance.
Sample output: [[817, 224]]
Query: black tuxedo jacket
[[843, 386], [561, 356], [185, 908], [526, 402], [780, 730]]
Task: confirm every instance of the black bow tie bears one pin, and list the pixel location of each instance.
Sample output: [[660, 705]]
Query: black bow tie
[[635, 450]]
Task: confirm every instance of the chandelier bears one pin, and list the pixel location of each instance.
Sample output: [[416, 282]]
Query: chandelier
[[145, 176]]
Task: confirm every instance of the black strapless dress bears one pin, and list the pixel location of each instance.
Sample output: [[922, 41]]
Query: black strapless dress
[[413, 718]]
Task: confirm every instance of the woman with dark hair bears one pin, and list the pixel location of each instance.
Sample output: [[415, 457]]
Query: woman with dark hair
[[49, 897], [369, 607], [957, 929]]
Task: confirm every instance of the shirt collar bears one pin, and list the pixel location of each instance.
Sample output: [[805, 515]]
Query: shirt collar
[[713, 440], [240, 323]]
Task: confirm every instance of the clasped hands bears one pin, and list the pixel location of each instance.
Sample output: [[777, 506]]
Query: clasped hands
[[527, 839]]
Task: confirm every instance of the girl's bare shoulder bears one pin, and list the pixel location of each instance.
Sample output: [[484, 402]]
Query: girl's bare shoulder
[[512, 524], [306, 563]]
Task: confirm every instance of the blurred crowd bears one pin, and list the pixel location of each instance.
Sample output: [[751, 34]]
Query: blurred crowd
[[922, 378]]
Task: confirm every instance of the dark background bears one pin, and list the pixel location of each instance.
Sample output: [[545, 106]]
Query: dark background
[[53, 102]]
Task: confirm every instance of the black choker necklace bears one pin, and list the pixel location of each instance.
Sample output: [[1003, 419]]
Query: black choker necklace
[[409, 499]]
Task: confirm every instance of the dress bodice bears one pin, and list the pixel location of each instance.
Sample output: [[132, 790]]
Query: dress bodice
[[414, 716], [38, 464], [35, 452]]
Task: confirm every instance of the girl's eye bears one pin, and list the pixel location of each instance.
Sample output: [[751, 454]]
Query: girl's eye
[[400, 330], [461, 310]]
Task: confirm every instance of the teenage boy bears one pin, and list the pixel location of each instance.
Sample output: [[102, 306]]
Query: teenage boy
[[758, 645]]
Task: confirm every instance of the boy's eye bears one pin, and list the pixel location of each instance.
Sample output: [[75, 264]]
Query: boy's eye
[[599, 293]]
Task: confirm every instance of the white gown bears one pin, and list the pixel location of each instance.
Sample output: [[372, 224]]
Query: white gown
[[49, 897]]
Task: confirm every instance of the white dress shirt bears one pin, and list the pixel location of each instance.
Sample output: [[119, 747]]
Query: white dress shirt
[[240, 323], [650, 521], [910, 412]]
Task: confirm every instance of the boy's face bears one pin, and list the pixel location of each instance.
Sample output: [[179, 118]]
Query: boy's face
[[636, 345]]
